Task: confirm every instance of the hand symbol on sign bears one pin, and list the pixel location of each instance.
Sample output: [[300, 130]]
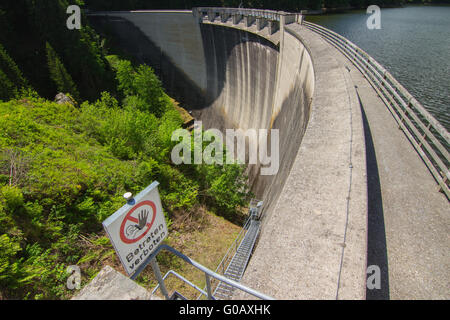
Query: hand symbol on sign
[[143, 215]]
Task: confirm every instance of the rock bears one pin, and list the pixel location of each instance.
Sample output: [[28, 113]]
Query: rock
[[61, 98], [112, 285]]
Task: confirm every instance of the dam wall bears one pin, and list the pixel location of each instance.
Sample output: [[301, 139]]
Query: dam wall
[[241, 75], [170, 42], [228, 77], [290, 113]]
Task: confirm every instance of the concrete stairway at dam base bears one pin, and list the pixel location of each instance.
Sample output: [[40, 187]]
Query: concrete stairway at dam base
[[351, 190], [408, 218]]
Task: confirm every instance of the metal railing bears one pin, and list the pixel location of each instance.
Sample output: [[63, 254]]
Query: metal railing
[[430, 139], [268, 14], [208, 275], [229, 255]]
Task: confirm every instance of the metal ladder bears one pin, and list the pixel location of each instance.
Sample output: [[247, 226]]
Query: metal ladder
[[232, 267], [236, 268]]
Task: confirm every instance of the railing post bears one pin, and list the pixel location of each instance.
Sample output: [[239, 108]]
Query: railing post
[[208, 286], [237, 17], [409, 103], [158, 276], [372, 70], [282, 23], [249, 20], [260, 23], [424, 135]]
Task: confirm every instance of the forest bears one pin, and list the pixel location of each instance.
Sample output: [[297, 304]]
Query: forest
[[284, 5], [65, 166]]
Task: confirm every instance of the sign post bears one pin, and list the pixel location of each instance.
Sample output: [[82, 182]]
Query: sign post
[[137, 229], [160, 279]]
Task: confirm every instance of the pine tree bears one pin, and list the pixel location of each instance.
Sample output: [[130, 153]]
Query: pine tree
[[11, 79], [7, 88], [59, 74]]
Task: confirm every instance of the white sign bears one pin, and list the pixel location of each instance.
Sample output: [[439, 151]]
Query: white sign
[[138, 228]]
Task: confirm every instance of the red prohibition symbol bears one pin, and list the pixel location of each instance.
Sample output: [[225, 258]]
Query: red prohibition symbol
[[128, 217]]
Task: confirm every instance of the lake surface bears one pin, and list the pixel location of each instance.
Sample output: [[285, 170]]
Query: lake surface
[[413, 44]]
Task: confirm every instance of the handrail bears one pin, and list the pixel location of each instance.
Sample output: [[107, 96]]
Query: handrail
[[202, 292], [430, 139], [208, 273], [234, 245]]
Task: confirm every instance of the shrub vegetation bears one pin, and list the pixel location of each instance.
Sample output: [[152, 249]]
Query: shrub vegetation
[[64, 167]]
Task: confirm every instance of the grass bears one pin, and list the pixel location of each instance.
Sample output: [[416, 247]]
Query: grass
[[207, 247], [203, 237]]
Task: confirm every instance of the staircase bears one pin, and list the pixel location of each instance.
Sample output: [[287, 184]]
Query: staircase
[[232, 267], [236, 268]]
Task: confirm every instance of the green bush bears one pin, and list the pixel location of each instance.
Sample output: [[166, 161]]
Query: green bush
[[64, 168], [141, 87], [59, 74], [75, 164], [12, 196]]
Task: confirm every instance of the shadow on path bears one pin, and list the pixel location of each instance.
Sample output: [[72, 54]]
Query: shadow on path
[[376, 246]]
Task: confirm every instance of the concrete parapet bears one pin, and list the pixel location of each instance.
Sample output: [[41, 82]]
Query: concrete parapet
[[249, 80], [261, 23], [313, 244], [263, 18], [249, 20], [290, 18], [211, 15]]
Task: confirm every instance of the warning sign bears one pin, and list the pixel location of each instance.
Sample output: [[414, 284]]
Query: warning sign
[[138, 228]]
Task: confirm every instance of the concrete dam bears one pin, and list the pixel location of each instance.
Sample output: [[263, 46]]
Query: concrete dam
[[227, 77], [261, 71]]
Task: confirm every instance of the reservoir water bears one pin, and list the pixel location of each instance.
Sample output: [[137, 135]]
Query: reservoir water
[[413, 44]]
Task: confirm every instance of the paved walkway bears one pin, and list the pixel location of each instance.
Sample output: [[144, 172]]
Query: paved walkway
[[313, 244]]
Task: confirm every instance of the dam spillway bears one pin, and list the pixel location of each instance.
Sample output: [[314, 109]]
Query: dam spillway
[[314, 241]]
